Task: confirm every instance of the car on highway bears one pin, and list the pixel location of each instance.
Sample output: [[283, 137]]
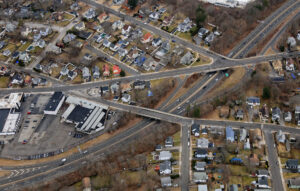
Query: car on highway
[[62, 162]]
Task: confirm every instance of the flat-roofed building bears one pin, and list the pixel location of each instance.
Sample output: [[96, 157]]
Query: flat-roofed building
[[54, 104]]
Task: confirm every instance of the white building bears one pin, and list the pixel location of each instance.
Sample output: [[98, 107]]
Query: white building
[[229, 3]]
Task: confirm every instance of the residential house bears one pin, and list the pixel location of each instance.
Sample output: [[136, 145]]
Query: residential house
[[202, 143], [114, 88], [133, 54], [26, 31], [280, 137], [147, 38], [6, 53], [243, 134], [118, 2], [294, 183], [126, 98], [64, 71], [86, 73], [165, 155], [187, 59], [291, 41], [158, 147], [264, 113], [117, 25], [150, 64], [37, 37], [196, 130], [10, 27], [72, 75], [2, 44], [98, 28], [200, 177], [106, 43], [102, 17], [104, 89], [156, 42], [202, 187], [255, 138], [24, 57], [185, 26], [80, 26], [209, 39], [17, 79], [169, 142], [200, 153], [200, 166], [106, 71], [229, 134], [68, 38], [168, 21], [253, 101], [90, 13], [202, 32], [292, 165], [96, 72], [74, 6], [113, 47], [262, 182], [140, 60], [88, 56], [289, 65], [154, 16], [84, 34], [40, 43], [122, 52], [233, 187], [35, 81], [126, 29], [247, 145], [239, 114], [139, 85], [45, 31], [262, 172], [163, 50], [165, 181], [276, 114], [165, 167], [116, 70]]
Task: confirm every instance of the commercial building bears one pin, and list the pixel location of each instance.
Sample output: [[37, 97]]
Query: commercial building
[[87, 116], [54, 104], [10, 113]]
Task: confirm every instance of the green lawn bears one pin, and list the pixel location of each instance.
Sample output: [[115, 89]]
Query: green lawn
[[24, 46], [187, 36], [176, 139], [237, 170], [4, 81], [101, 182]]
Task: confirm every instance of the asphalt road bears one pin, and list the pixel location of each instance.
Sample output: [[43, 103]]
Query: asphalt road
[[274, 165], [185, 158], [155, 75]]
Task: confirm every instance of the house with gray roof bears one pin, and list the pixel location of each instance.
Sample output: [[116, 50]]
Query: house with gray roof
[[86, 73], [166, 181], [200, 177], [165, 155], [200, 166], [165, 167], [187, 59]]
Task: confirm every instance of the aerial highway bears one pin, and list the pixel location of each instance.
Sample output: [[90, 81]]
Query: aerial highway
[[157, 75], [166, 113]]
